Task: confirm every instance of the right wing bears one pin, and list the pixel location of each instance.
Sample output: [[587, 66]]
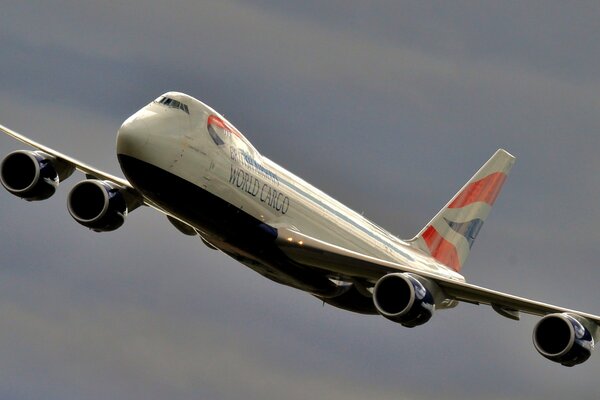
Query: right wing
[[133, 197], [86, 169]]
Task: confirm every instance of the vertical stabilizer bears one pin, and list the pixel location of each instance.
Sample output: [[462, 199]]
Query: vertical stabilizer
[[449, 236]]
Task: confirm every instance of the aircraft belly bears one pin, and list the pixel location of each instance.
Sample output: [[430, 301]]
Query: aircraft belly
[[239, 234]]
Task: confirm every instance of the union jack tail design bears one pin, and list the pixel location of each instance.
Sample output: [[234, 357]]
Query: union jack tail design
[[451, 233]]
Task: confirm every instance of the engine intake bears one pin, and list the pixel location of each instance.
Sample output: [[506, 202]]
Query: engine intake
[[405, 298], [563, 338], [98, 205], [33, 175]]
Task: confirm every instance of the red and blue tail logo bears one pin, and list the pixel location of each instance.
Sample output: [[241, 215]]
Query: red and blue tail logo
[[451, 233]]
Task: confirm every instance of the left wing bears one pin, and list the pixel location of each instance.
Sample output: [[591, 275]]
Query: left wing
[[314, 252]]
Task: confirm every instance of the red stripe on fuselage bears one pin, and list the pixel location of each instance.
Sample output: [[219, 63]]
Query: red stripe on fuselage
[[486, 190], [214, 120], [441, 249]]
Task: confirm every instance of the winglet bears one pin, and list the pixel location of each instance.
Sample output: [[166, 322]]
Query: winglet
[[449, 236]]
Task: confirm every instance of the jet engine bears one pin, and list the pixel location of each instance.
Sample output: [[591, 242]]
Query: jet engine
[[33, 175], [98, 205], [406, 298], [563, 338]]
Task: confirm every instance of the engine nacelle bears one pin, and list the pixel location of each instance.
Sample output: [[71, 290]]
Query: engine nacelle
[[33, 175], [98, 205], [563, 338], [405, 298]]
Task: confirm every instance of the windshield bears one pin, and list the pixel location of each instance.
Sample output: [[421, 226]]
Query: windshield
[[172, 103]]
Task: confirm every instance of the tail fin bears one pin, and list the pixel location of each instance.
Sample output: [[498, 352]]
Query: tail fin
[[449, 236]]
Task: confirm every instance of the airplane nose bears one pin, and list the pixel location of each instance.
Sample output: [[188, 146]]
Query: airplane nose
[[132, 136]]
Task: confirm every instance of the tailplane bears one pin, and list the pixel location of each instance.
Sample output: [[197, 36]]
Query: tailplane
[[449, 236]]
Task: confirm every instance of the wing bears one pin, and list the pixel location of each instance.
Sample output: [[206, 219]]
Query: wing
[[86, 169], [314, 252], [134, 198]]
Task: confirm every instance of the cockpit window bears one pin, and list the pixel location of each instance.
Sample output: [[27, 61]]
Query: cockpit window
[[172, 103]]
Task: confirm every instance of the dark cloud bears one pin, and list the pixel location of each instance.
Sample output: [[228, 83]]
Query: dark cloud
[[398, 103]]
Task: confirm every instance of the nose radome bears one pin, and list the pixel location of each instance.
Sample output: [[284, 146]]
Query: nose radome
[[132, 136]]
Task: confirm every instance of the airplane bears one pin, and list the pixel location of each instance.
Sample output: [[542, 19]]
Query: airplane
[[187, 161]]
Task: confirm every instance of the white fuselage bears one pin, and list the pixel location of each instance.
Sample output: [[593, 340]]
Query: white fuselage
[[203, 148], [187, 161]]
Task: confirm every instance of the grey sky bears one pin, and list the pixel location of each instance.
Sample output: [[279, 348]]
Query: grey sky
[[389, 107]]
